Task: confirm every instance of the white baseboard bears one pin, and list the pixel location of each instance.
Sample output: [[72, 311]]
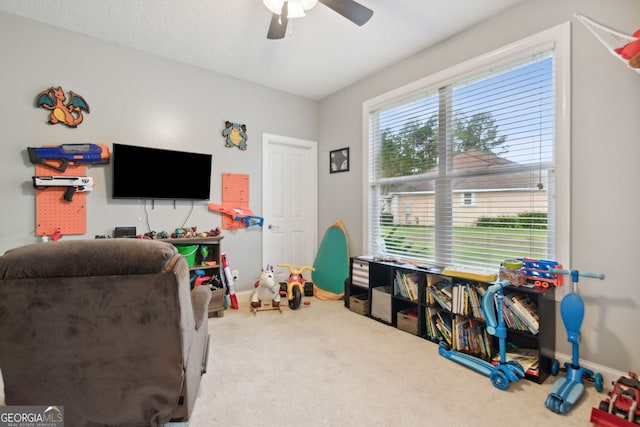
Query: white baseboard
[[244, 295]]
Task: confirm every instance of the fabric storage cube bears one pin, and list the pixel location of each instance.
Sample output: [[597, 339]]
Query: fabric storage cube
[[408, 321], [381, 303], [359, 303], [360, 273]]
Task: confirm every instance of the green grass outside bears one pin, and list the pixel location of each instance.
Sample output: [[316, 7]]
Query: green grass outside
[[495, 244]]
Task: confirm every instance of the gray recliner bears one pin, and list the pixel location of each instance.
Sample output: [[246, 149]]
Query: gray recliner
[[108, 328]]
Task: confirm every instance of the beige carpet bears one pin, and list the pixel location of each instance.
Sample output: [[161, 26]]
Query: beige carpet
[[324, 365]]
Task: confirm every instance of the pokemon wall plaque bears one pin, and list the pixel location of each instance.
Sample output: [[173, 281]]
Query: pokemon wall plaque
[[235, 134], [63, 111]]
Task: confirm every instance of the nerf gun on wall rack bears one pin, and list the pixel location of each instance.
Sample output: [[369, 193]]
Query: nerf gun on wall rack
[[238, 214], [73, 184], [67, 154]]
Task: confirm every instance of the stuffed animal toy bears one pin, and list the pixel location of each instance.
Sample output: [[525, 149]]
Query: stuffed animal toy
[[266, 289], [631, 51]]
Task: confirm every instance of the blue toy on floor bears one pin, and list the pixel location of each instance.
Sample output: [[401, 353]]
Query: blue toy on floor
[[505, 372], [565, 392]]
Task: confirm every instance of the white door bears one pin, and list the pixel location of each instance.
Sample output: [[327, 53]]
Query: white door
[[289, 201]]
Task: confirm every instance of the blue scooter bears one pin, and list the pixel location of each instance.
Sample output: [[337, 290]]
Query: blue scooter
[[505, 372], [565, 392]]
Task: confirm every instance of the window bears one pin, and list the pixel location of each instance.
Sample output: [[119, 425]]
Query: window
[[467, 199], [464, 167]]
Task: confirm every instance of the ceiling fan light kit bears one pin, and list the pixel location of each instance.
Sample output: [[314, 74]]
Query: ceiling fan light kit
[[283, 10], [296, 8]]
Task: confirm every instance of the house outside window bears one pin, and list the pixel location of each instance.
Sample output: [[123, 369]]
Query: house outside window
[[491, 133]]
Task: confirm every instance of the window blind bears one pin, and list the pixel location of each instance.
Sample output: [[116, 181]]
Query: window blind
[[463, 173]]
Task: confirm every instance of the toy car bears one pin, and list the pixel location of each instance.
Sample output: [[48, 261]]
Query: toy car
[[622, 403]]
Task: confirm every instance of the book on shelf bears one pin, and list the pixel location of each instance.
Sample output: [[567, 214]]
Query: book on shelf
[[430, 299], [443, 324], [475, 302], [467, 302], [526, 311], [509, 316], [407, 285], [526, 357], [457, 299], [467, 299], [441, 293], [446, 289], [454, 298], [461, 334], [513, 320], [432, 329], [471, 336], [479, 339]]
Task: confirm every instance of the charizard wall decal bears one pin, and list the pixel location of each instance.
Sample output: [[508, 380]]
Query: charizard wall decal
[[69, 113]]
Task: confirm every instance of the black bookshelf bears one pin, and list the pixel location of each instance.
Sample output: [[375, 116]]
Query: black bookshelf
[[410, 311]]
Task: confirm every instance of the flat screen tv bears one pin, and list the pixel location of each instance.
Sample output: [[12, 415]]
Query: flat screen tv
[[153, 173]]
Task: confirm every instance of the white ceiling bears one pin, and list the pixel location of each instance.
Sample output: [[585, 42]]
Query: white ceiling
[[322, 54]]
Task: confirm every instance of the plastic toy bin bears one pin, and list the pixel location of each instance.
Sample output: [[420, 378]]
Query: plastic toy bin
[[189, 252]]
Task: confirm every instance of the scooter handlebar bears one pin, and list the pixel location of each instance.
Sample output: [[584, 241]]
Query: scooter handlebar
[[576, 273], [489, 306]]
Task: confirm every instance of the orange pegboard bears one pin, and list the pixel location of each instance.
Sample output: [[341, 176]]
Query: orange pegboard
[[235, 194], [53, 212]]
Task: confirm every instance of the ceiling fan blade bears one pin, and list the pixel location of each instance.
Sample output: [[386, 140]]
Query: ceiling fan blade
[[278, 26], [350, 9]]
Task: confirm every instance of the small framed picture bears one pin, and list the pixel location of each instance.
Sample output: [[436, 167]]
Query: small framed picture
[[339, 160]]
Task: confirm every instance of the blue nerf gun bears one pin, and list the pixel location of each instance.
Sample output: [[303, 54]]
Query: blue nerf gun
[[66, 154]]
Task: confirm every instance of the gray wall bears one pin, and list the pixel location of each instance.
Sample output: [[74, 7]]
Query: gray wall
[[604, 171], [136, 99]]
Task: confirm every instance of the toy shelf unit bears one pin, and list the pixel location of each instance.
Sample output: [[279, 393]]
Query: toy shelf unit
[[197, 247], [442, 307]]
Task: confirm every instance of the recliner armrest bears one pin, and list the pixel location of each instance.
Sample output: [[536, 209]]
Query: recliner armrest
[[200, 297]]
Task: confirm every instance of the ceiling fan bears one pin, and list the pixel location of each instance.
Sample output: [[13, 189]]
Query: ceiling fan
[[283, 10]]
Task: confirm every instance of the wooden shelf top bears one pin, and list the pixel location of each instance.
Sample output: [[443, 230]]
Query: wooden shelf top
[[191, 240]]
